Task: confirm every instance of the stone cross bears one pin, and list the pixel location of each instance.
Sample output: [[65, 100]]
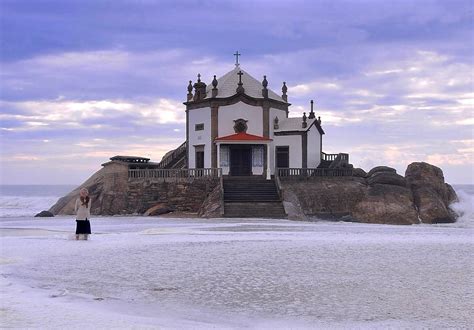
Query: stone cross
[[237, 58], [240, 73], [240, 89]]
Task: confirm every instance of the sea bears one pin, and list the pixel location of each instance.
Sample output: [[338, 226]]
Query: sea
[[28, 200]]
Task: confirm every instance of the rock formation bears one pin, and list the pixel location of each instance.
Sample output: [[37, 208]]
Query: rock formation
[[431, 194], [113, 193], [44, 214], [108, 189], [380, 196]]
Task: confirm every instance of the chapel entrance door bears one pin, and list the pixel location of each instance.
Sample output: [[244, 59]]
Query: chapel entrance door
[[240, 160]]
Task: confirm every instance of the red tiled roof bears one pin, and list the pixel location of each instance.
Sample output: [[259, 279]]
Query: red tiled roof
[[242, 137]]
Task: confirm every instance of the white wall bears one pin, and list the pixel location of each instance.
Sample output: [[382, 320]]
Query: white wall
[[314, 147], [229, 113], [200, 116]]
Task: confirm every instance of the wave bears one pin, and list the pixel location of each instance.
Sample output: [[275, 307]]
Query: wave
[[464, 207], [24, 206]]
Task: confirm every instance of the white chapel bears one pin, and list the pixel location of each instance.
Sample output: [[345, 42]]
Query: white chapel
[[238, 124]]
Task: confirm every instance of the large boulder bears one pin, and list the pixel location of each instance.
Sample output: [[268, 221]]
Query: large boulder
[[44, 214], [158, 209], [390, 178], [378, 169], [212, 205], [380, 196], [358, 172], [388, 204], [432, 196], [328, 198], [108, 190]]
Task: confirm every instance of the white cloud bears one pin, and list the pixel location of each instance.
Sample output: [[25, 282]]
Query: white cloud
[[41, 114]]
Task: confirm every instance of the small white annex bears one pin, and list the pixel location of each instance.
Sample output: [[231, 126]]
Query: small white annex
[[239, 125]]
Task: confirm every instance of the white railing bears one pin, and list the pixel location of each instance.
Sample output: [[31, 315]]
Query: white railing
[[313, 172], [174, 174], [333, 157]]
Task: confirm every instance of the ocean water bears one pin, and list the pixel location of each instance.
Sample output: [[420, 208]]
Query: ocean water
[[28, 200]]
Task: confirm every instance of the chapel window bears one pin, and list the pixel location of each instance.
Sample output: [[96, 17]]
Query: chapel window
[[199, 127]]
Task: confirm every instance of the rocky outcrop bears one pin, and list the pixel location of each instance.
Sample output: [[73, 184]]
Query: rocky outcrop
[[381, 196], [108, 189], [113, 193], [44, 214], [212, 207], [432, 195], [158, 209]]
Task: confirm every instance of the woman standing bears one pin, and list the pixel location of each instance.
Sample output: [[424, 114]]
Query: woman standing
[[83, 213]]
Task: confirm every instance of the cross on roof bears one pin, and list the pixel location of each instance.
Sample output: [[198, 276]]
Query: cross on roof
[[240, 73], [237, 58]]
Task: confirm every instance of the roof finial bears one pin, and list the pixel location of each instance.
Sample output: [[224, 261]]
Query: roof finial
[[237, 57], [265, 89], [311, 114], [214, 87], [199, 89], [190, 91], [284, 89], [240, 89], [304, 125]]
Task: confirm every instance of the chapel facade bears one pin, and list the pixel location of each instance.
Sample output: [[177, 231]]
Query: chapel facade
[[238, 124]]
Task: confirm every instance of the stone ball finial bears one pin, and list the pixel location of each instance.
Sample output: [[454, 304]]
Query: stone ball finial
[[199, 77], [190, 86]]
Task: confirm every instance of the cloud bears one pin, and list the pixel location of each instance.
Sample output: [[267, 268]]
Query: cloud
[[110, 74], [392, 82], [36, 115]]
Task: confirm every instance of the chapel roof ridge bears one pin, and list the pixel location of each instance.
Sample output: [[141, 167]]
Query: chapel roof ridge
[[228, 83]]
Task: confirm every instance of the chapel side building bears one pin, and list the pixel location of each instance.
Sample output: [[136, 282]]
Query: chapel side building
[[239, 125]]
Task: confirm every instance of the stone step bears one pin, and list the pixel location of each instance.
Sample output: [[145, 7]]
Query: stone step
[[254, 210], [252, 198], [250, 188]]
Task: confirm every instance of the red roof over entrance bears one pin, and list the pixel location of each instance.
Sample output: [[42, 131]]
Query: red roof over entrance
[[242, 137]]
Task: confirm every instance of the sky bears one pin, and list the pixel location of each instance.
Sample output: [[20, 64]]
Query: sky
[[82, 81]]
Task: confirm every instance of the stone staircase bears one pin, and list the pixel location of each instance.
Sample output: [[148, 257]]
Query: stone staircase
[[174, 159], [252, 197]]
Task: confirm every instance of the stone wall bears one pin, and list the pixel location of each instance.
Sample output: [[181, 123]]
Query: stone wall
[[180, 196], [113, 193]]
